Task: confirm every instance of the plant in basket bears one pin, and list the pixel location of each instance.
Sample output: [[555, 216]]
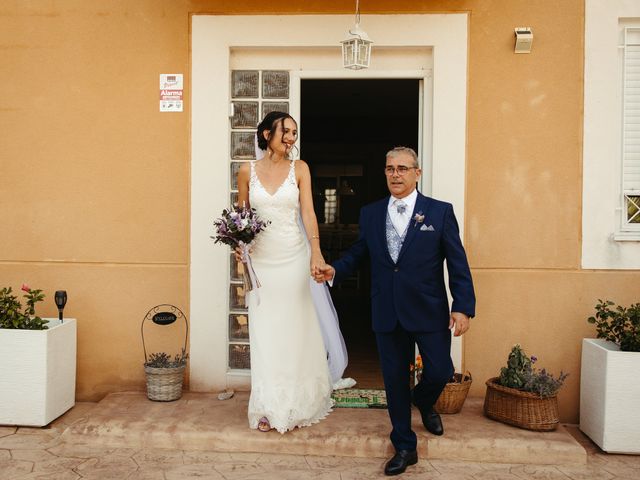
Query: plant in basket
[[165, 375], [523, 395], [164, 360]]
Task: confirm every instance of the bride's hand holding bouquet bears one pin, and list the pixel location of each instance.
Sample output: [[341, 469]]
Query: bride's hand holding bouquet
[[238, 227]]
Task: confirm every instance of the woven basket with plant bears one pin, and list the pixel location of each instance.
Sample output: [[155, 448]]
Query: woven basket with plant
[[165, 376], [522, 395]]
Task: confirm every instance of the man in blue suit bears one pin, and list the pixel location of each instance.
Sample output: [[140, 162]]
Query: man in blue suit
[[407, 238]]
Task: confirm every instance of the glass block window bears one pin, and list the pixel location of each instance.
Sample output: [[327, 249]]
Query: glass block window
[[239, 356], [238, 326], [235, 166], [236, 297], [245, 83], [243, 145], [268, 107], [245, 115], [236, 269], [254, 94], [275, 84]]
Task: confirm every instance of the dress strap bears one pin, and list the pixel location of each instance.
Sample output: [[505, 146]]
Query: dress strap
[[252, 175], [292, 172]]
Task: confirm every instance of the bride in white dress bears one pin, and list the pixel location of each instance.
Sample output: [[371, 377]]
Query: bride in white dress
[[291, 383]]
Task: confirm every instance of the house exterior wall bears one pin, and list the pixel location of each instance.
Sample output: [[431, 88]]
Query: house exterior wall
[[95, 181]]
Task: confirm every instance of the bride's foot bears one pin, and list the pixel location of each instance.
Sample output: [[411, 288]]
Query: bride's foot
[[263, 425]]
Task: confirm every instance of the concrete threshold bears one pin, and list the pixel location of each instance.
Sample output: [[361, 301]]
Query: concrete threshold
[[199, 421]]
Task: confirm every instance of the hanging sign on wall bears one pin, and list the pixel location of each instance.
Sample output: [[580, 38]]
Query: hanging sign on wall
[[171, 92]]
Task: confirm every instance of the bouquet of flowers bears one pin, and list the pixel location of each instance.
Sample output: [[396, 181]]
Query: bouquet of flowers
[[238, 227]]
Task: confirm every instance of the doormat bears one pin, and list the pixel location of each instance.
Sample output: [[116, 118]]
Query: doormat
[[359, 398]]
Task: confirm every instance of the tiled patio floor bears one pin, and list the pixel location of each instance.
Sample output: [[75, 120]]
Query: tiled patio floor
[[30, 453]]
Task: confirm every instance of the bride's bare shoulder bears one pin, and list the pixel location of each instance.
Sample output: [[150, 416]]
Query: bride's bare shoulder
[[244, 171], [301, 165]]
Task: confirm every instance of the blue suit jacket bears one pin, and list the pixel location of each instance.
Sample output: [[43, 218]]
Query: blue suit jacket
[[412, 291]]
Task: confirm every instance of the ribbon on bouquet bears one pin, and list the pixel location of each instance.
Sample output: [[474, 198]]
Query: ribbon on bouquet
[[249, 278]]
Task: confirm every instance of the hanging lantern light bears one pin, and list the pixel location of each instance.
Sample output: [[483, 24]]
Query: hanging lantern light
[[356, 49]]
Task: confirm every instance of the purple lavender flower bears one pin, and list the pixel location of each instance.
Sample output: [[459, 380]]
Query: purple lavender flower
[[238, 224]]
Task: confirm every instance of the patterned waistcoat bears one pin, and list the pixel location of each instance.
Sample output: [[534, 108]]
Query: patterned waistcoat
[[394, 240]]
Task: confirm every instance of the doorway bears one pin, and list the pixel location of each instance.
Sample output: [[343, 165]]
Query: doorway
[[347, 126]]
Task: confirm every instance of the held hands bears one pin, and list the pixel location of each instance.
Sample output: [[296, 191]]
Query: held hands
[[323, 273], [317, 263], [460, 321], [318, 266]]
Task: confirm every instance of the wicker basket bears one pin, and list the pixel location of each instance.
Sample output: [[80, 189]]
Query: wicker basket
[[164, 384], [521, 409], [454, 394]]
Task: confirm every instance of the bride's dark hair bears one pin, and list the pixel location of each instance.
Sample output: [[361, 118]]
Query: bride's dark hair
[[270, 122]]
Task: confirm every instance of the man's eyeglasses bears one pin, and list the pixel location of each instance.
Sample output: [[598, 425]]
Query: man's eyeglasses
[[401, 169]]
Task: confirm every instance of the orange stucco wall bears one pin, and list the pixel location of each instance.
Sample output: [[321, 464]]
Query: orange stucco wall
[[95, 181]]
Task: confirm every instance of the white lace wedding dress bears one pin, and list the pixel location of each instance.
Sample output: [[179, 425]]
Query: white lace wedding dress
[[290, 380]]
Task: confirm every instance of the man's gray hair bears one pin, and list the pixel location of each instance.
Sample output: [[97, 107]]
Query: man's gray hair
[[409, 151]]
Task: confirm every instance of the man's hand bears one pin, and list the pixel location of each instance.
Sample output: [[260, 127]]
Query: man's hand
[[461, 322], [324, 273]]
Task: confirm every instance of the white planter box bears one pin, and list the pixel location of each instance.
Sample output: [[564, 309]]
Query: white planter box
[[610, 396], [37, 373]]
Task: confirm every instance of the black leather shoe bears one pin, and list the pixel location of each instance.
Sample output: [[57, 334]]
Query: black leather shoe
[[400, 461], [432, 422], [430, 419]]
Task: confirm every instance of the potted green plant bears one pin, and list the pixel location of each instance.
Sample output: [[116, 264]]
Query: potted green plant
[[165, 375], [523, 395], [609, 393], [38, 358]]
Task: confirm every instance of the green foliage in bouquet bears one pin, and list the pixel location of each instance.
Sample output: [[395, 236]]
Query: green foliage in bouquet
[[163, 360], [620, 325], [12, 315], [522, 375]]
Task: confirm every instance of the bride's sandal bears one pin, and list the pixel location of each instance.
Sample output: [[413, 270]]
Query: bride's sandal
[[263, 425]]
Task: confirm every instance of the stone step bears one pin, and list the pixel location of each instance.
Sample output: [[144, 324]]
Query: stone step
[[199, 421]]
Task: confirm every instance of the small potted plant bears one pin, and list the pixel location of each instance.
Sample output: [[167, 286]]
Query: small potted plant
[[165, 375], [522, 395], [38, 358], [608, 392]]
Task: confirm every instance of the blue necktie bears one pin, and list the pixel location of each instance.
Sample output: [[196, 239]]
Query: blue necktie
[[401, 207]]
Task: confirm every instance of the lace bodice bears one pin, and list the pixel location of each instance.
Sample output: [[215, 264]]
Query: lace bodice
[[282, 209]]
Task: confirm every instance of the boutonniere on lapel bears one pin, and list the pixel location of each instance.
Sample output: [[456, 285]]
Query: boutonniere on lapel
[[419, 218]]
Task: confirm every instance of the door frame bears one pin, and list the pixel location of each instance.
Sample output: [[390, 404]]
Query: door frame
[[212, 38], [425, 109]]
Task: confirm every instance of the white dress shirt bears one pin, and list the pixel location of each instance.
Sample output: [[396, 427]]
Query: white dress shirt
[[401, 220]]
